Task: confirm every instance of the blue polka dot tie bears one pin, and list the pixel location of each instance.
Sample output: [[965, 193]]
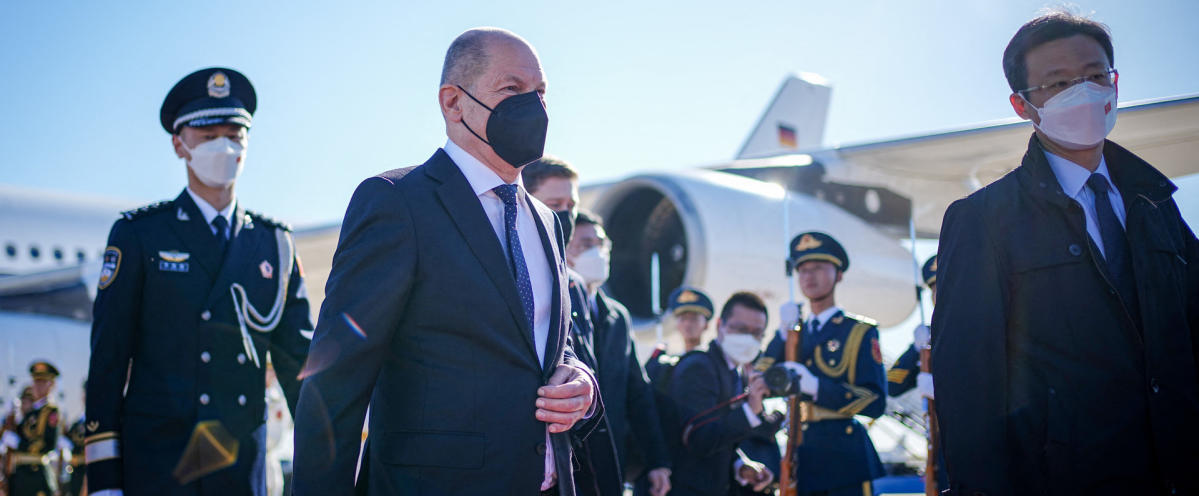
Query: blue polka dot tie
[[516, 256]]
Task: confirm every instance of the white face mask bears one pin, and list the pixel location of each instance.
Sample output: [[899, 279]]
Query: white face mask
[[1079, 117], [593, 265], [741, 348], [218, 162]]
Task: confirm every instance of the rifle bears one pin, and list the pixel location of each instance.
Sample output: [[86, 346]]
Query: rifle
[[797, 415], [934, 434]]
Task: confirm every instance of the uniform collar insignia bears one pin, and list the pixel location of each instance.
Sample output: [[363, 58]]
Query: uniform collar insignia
[[181, 215], [838, 319]]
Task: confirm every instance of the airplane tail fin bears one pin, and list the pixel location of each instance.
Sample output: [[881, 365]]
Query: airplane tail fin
[[793, 121]]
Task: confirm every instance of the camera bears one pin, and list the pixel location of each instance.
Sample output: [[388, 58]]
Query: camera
[[781, 381]]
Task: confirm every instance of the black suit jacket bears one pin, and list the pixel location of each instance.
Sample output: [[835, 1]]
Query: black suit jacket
[[422, 320], [167, 348], [1045, 383]]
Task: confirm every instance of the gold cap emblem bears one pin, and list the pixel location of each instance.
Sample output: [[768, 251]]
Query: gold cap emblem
[[218, 85], [807, 242], [688, 297]]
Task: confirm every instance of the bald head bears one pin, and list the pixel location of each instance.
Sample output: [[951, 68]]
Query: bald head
[[470, 53]]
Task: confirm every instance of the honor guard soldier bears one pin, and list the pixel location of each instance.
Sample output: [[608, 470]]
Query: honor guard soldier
[[905, 374], [31, 471], [193, 294], [840, 371]]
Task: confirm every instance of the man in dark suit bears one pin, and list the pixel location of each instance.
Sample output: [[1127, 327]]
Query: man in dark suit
[[193, 294], [707, 389], [447, 309], [629, 404], [1065, 335]]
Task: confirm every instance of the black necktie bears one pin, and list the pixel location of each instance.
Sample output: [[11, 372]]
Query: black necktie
[[1115, 243], [222, 232], [516, 256]]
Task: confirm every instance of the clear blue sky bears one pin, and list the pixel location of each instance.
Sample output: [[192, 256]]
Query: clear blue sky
[[348, 89]]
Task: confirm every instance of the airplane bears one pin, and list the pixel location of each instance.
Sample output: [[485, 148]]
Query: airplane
[[723, 227]]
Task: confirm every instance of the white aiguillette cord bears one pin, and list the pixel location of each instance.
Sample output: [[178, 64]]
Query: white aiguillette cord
[[249, 316]]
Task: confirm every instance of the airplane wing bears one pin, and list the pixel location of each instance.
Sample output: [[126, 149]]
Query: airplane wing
[[935, 170]]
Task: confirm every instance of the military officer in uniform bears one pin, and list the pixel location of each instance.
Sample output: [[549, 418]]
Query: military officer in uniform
[[31, 472], [194, 293], [840, 371], [905, 373]]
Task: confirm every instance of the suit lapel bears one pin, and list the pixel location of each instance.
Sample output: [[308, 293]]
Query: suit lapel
[[554, 342], [243, 244], [464, 209], [193, 231]]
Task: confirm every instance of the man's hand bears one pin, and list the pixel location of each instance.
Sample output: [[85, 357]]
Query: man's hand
[[757, 391], [566, 399], [659, 479], [924, 384], [921, 337], [808, 383], [788, 316], [756, 474]]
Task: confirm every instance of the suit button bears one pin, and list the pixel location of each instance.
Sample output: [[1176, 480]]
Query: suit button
[[541, 449], [205, 315], [1075, 250], [205, 357], [241, 358], [1153, 385], [241, 399], [204, 399]]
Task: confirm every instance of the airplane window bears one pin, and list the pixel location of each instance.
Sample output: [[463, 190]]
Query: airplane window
[[10, 250], [58, 254], [80, 256], [35, 252]]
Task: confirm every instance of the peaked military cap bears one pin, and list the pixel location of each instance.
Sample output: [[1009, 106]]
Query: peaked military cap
[[689, 299], [818, 246], [208, 97], [930, 271], [42, 369]]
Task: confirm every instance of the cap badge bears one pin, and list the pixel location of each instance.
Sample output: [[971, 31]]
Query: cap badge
[[267, 270], [807, 242], [688, 297], [218, 85], [181, 215]]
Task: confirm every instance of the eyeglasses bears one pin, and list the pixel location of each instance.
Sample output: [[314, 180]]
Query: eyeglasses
[[1107, 77]]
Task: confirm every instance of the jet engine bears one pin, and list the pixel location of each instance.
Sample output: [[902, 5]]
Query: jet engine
[[724, 233]]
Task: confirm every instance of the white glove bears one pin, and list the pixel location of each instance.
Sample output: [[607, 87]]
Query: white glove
[[921, 337], [788, 316], [924, 384], [808, 383]]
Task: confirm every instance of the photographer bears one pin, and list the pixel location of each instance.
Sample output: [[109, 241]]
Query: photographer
[[707, 388]]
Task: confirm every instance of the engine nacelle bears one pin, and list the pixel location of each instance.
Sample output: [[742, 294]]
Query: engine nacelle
[[724, 233]]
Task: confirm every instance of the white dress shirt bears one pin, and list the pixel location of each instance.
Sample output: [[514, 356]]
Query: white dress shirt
[[482, 180], [209, 212], [1073, 178], [823, 317]]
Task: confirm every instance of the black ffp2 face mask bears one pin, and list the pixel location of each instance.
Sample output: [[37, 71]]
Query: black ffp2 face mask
[[567, 219], [517, 127]]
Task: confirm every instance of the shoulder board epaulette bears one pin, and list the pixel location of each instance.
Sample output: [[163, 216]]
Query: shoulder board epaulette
[[147, 210], [270, 221], [865, 320]]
